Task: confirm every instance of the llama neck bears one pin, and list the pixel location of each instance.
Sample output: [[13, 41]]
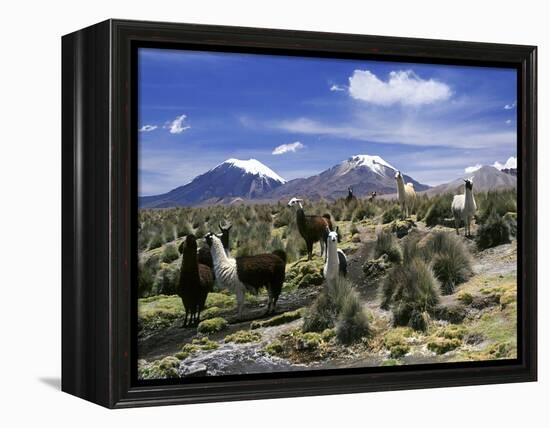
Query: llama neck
[[300, 218], [218, 253], [189, 268], [469, 203], [332, 258], [400, 187]]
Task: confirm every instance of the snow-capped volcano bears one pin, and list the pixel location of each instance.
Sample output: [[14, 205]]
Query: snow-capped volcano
[[365, 173], [231, 179], [374, 163], [252, 166]]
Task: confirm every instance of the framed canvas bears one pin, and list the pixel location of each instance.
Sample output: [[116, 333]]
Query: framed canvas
[[253, 213]]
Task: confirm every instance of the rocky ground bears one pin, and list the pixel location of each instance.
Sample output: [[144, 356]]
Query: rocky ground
[[476, 322]]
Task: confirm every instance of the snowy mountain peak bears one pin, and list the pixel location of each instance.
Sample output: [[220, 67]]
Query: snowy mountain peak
[[374, 163], [371, 161], [255, 167]]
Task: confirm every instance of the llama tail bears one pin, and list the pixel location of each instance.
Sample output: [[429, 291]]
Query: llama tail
[[281, 254]]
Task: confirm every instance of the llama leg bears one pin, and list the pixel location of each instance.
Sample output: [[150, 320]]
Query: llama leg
[[239, 292], [309, 246], [269, 304], [322, 244], [185, 319]]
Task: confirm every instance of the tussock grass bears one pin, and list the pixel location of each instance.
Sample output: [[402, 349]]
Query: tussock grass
[[411, 291], [495, 231], [339, 307], [387, 244]]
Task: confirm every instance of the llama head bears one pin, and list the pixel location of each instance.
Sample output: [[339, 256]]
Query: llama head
[[211, 238], [188, 245], [295, 202], [224, 235], [333, 237], [469, 183], [373, 194], [398, 175], [225, 228], [350, 190]]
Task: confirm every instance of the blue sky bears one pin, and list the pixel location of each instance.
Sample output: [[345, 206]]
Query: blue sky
[[300, 116]]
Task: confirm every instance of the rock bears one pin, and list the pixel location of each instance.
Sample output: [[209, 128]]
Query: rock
[[453, 313], [377, 267], [482, 302], [419, 321], [193, 370], [401, 228], [310, 280]]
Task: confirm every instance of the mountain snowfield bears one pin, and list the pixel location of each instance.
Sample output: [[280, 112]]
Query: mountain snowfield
[[253, 166], [375, 163]]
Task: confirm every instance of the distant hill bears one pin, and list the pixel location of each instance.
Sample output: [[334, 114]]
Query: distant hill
[[226, 183], [363, 172], [486, 178]]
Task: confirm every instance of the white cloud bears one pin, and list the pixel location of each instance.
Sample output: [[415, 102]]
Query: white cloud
[[176, 126], [378, 129], [285, 148], [510, 106], [337, 88], [508, 122], [148, 128], [403, 87], [512, 162], [472, 168]]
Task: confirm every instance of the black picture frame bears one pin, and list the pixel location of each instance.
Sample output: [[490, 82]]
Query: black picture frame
[[99, 193]]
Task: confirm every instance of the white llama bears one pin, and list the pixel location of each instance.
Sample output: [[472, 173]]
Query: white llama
[[406, 194], [464, 206]]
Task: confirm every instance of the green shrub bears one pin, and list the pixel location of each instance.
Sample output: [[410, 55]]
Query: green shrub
[[166, 281], [243, 336], [387, 244], [170, 253], [450, 260], [320, 315], [439, 210], [339, 307], [274, 348], [500, 202], [363, 211], [156, 241], [495, 231], [146, 279], [352, 323], [410, 291], [442, 345], [391, 214], [212, 325], [512, 220]]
